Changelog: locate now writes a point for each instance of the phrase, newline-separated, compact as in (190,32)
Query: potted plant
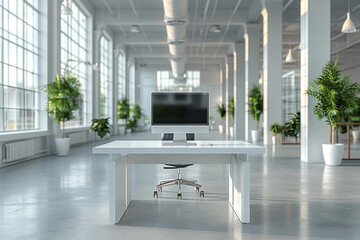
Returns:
(100,126)
(63,99)
(336,100)
(130,125)
(292,127)
(220,108)
(212,123)
(123,114)
(275,129)
(256,109)
(232,112)
(136,112)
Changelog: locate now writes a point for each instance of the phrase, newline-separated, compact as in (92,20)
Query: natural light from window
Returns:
(105,79)
(19,65)
(165,81)
(74,46)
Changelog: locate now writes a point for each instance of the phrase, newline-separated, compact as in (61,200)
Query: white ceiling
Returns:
(149,14)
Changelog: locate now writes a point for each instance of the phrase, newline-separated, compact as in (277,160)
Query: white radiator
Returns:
(77,137)
(18,150)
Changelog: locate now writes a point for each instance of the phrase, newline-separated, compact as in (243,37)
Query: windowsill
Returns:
(77,129)
(11,136)
(19,135)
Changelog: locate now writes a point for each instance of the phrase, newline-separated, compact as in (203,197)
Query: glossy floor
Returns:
(67,198)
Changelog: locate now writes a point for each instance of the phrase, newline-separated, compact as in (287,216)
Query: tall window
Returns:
(290,94)
(19,65)
(105,78)
(121,76)
(166,83)
(132,84)
(193,80)
(74,47)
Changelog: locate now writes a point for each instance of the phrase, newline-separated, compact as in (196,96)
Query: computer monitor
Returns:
(179,113)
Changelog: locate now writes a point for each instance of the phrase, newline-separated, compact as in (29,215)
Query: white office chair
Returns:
(179,180)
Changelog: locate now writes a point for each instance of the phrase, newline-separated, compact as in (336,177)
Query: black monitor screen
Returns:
(174,108)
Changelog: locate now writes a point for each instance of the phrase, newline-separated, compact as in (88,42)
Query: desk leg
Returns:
(239,187)
(118,188)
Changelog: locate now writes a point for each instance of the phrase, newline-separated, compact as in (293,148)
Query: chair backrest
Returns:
(170,136)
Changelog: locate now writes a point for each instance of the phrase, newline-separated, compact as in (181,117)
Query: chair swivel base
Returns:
(178,182)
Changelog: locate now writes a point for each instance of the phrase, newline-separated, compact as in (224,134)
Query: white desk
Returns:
(125,153)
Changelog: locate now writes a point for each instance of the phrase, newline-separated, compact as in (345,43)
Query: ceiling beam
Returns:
(158,38)
(155,17)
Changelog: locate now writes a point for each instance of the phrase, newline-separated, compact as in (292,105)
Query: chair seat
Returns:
(175,166)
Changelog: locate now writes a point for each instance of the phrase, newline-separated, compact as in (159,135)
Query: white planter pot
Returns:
(355,134)
(255,135)
(273,140)
(129,130)
(62,146)
(333,153)
(221,129)
(122,130)
(231,131)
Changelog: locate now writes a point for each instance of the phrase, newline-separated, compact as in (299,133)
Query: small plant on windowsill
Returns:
(100,126)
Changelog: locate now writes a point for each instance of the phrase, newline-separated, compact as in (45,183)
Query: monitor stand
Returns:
(178,140)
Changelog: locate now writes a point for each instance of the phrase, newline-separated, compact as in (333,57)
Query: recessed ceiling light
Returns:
(215,29)
(135,29)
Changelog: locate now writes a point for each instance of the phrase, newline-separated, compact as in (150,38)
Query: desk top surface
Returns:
(201,147)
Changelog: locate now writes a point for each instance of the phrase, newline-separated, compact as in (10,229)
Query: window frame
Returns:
(109,89)
(86,76)
(121,74)
(24,48)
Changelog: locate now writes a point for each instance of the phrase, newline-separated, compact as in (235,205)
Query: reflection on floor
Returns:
(67,198)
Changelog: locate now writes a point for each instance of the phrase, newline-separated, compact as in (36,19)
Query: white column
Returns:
(229,90)
(239,91)
(272,56)
(252,55)
(115,75)
(96,83)
(315,52)
(53,54)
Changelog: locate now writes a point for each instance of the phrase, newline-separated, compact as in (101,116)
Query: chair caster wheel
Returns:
(179,196)
(197,190)
(156,195)
(202,194)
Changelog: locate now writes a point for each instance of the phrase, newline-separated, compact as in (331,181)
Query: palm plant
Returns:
(220,108)
(64,98)
(335,95)
(292,127)
(256,104)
